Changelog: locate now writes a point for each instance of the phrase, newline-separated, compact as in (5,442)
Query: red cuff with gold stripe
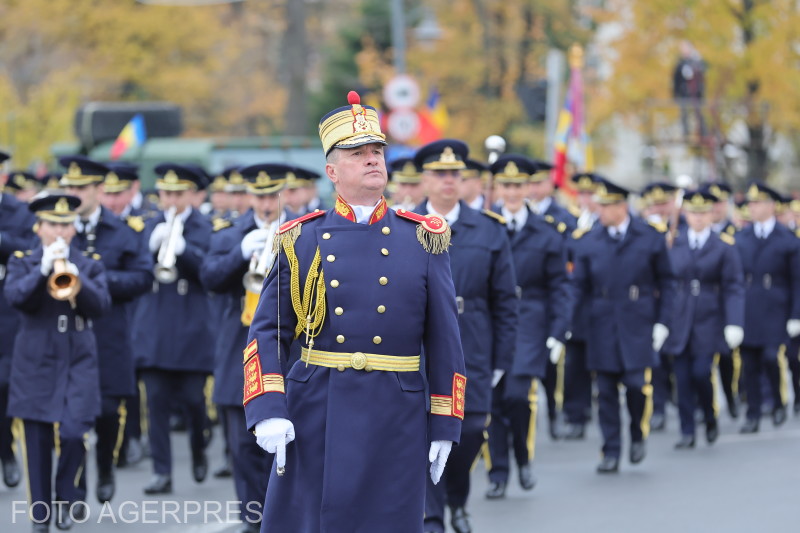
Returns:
(451,405)
(256,383)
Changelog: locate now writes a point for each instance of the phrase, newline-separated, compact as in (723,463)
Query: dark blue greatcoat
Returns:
(709,295)
(629,287)
(53,370)
(171,329)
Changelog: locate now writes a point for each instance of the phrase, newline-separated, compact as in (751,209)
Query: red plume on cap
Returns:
(353,98)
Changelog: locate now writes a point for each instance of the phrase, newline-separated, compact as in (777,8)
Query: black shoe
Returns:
(553,428)
(712,432)
(574,432)
(686,442)
(224,471)
(779,415)
(460,520)
(526,478)
(733,409)
(496,491)
(105,488)
(249,528)
(135,452)
(638,451)
(750,426)
(199,467)
(63,518)
(608,465)
(160,484)
(658,422)
(40,528)
(11,475)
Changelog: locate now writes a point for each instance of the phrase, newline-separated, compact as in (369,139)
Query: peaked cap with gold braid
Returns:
(350,126)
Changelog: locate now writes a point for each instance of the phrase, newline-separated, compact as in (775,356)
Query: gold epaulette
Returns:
(433,232)
(19,254)
(578,233)
(290,231)
(574,210)
(727,239)
(491,214)
(136,223)
(220,223)
(731,230)
(659,226)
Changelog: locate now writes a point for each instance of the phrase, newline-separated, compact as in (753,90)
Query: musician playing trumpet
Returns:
(172,341)
(240,257)
(54,368)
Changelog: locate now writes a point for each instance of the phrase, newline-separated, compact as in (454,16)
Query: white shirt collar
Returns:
(519,218)
(698,240)
(477,203)
(92,221)
(364,212)
(540,208)
(450,217)
(764,229)
(622,229)
(261,224)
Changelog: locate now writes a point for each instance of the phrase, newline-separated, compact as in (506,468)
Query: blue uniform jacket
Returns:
(629,287)
(362,437)
(560,214)
(579,318)
(709,296)
(16,233)
(129,273)
(483,274)
(171,329)
(542,287)
(55,355)
(772,281)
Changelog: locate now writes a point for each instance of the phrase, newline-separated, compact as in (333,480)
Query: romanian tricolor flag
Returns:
(433,120)
(571,141)
(132,135)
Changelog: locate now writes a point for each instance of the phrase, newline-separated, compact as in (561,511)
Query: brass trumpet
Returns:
(165,271)
(260,266)
(62,284)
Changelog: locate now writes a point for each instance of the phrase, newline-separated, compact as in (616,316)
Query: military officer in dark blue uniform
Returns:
(577,378)
(406,181)
(172,339)
(623,272)
(22,184)
(239,255)
(128,269)
(539,257)
(362,289)
(771,256)
(58,291)
(542,202)
(708,315)
(483,273)
(473,184)
(16,233)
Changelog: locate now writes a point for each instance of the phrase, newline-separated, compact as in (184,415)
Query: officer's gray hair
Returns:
(333,156)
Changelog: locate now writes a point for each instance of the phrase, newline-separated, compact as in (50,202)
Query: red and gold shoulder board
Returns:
(433,232)
(432,223)
(286,226)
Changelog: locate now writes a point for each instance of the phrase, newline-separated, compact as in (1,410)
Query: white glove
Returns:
(158,236)
(660,334)
(793,327)
(47,260)
(180,245)
(254,243)
(440,450)
(556,349)
(734,335)
(60,249)
(273,434)
(497,375)
(72,269)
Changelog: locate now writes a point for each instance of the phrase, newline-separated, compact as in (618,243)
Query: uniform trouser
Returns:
(662,384)
(577,384)
(514,410)
(6,438)
(550,383)
(729,373)
(693,376)
(757,361)
(251,465)
(793,355)
(109,428)
(639,397)
(453,488)
(38,440)
(186,387)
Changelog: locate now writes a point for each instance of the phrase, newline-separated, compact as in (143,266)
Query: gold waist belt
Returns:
(360,361)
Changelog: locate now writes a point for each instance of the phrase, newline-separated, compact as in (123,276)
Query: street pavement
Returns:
(740,484)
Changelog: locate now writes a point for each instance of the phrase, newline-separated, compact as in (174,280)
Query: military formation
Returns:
(360,360)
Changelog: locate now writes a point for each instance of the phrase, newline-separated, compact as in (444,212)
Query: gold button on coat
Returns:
(331,258)
(334,283)
(383,280)
(338,310)
(384,251)
(386,231)
(376,339)
(340,368)
(326,236)
(340,339)
(381,308)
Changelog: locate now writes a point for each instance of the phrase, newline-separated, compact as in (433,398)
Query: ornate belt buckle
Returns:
(358,361)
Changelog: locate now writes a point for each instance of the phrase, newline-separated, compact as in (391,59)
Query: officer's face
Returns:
(90,198)
(48,231)
(540,190)
(442,185)
(239,202)
(612,214)
(26,194)
(266,206)
(409,193)
(586,201)
(720,211)
(180,200)
(761,210)
(662,209)
(513,195)
(220,200)
(295,199)
(359,174)
(698,221)
(471,188)
(116,201)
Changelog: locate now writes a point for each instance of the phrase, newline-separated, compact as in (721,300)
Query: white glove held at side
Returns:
(556,349)
(793,327)
(440,450)
(497,375)
(273,434)
(660,334)
(734,335)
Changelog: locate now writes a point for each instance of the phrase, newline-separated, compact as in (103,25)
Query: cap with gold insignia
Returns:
(120,177)
(608,193)
(266,178)
(403,170)
(218,184)
(55,207)
(81,171)
(51,180)
(742,210)
(513,168)
(19,180)
(722,191)
(698,201)
(758,192)
(175,177)
(350,126)
(234,181)
(584,181)
(301,177)
(659,192)
(475,169)
(543,169)
(444,154)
